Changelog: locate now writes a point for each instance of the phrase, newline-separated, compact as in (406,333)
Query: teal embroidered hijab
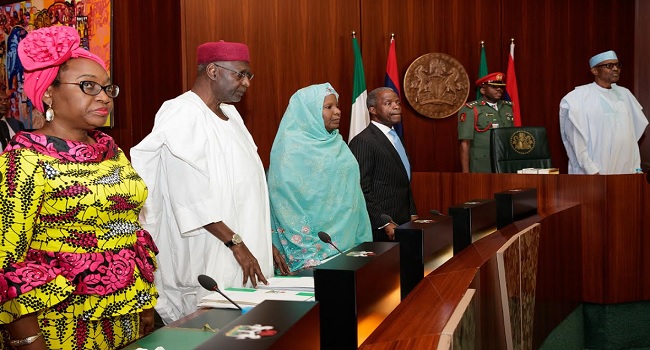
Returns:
(314,184)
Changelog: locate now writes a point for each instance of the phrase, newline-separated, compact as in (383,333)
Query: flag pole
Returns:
(359,117)
(391,79)
(512,92)
(482,68)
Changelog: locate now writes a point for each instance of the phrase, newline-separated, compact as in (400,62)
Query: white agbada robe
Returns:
(199,170)
(601,128)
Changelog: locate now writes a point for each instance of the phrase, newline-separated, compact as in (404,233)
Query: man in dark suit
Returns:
(8,126)
(384,165)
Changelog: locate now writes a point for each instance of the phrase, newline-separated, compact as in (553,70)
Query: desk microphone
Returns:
(435,212)
(387,219)
(208,283)
(327,239)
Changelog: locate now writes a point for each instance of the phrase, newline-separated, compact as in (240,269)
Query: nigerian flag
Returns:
(482,69)
(359,117)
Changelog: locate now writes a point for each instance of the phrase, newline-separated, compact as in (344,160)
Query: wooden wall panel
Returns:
(427,309)
(552,50)
(623,236)
(455,28)
(293,44)
(642,71)
(559,258)
(551,55)
(297,42)
(645,242)
(613,229)
(146,65)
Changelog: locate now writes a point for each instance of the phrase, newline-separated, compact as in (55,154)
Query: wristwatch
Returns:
(236,239)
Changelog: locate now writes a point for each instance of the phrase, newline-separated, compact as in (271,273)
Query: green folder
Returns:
(190,335)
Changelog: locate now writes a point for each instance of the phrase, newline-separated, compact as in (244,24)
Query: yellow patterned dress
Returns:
(71,247)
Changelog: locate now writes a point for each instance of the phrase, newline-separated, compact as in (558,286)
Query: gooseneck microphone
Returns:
(210,284)
(387,219)
(327,239)
(435,212)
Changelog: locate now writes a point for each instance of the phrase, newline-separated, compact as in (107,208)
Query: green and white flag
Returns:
(359,117)
(482,69)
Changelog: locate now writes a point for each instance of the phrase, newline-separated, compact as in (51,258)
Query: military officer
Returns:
(477,118)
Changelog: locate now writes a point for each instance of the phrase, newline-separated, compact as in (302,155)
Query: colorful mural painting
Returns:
(91,18)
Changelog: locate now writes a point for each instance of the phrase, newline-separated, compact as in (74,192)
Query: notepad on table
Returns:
(251,297)
(295,283)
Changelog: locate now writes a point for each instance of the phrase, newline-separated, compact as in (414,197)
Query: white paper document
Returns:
(251,297)
(295,283)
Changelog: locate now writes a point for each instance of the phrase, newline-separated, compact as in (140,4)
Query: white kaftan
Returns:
(199,170)
(600,129)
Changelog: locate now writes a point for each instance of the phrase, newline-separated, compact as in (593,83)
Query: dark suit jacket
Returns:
(384,181)
(15,124)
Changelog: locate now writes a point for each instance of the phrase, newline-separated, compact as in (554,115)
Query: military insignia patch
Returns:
(463,117)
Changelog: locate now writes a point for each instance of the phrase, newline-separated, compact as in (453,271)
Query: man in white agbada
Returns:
(208,206)
(601,123)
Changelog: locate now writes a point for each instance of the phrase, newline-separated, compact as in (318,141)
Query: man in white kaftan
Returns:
(201,167)
(601,123)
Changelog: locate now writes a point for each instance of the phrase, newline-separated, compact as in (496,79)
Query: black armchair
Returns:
(517,148)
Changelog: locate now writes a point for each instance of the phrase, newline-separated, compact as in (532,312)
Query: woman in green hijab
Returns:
(314,182)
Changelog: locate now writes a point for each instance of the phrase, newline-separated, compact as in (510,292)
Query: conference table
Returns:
(350,304)
(188,332)
(602,215)
(192,330)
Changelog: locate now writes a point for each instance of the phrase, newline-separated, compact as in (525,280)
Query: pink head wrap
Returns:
(221,51)
(42,52)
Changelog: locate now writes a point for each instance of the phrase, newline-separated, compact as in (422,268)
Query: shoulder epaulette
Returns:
(471,104)
(509,103)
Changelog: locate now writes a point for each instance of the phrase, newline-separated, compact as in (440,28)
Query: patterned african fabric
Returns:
(314,185)
(71,246)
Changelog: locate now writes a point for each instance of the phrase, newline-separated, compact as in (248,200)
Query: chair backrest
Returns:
(517,148)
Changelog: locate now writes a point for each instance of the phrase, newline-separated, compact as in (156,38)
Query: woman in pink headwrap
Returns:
(76,267)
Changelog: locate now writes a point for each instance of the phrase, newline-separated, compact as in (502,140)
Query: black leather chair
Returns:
(517,148)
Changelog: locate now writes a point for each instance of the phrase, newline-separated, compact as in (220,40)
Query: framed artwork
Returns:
(91,18)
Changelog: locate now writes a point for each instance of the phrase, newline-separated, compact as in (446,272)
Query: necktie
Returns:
(4,134)
(400,150)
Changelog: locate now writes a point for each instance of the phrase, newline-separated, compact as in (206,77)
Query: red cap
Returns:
(494,79)
(221,51)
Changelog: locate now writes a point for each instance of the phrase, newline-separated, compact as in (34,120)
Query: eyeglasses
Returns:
(610,65)
(93,89)
(240,75)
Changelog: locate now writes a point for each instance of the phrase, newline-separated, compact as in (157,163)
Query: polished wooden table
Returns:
(614,224)
(296,325)
(591,249)
(288,325)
